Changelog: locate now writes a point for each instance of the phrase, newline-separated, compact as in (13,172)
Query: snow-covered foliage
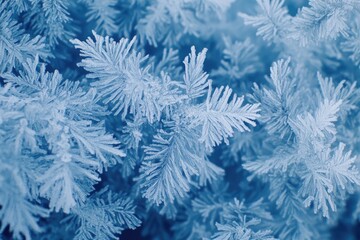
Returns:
(179,119)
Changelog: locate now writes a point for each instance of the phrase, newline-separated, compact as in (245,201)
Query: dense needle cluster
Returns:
(179,119)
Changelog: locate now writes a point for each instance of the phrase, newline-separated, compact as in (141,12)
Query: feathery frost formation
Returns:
(179,119)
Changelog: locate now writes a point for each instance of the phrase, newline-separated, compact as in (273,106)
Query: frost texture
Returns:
(179,119)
